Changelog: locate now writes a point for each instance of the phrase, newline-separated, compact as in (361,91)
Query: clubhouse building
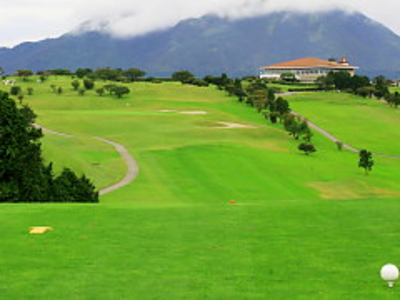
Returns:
(307,69)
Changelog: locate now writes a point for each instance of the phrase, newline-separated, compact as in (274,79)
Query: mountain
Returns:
(212,45)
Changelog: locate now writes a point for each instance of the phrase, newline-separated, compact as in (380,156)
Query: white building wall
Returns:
(305,74)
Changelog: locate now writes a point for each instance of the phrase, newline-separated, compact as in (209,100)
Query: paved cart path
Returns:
(133,168)
(330,136)
(335,139)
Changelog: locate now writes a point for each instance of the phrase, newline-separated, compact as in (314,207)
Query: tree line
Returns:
(363,86)
(255,92)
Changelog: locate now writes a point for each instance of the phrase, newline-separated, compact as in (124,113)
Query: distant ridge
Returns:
(212,45)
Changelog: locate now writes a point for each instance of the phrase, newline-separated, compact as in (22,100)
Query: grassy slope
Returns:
(343,115)
(96,159)
(184,159)
(173,235)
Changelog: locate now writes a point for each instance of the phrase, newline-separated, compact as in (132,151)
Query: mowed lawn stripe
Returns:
(273,249)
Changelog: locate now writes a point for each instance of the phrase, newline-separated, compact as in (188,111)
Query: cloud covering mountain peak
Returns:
(32,20)
(140,19)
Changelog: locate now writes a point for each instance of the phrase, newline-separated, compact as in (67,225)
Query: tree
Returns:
(100,91)
(20,161)
(230,89)
(88,84)
(182,76)
(24,74)
(304,130)
(121,90)
(366,162)
(307,135)
(220,81)
(109,74)
(75,84)
(198,82)
(282,106)
(225,80)
(258,84)
(15,90)
(297,127)
(133,74)
(273,116)
(43,78)
(70,188)
(365,91)
(61,72)
(20,97)
(396,99)
(80,73)
(258,99)
(271,95)
(381,87)
(342,80)
(240,93)
(325,82)
(233,88)
(358,82)
(307,148)
(109,88)
(29,90)
(291,125)
(81,92)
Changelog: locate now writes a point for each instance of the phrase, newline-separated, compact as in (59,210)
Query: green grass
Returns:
(293,86)
(393,89)
(302,227)
(362,123)
(279,250)
(88,156)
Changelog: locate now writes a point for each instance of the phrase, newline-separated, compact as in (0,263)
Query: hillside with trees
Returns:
(23,175)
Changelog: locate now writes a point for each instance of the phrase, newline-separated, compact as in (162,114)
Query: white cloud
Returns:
(143,17)
(37,19)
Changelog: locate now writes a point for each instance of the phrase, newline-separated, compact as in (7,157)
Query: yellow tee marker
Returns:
(39,230)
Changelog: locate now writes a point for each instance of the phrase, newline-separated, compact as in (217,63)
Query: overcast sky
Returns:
(31,20)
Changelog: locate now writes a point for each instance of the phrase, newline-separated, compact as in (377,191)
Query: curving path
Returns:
(334,139)
(133,168)
(330,136)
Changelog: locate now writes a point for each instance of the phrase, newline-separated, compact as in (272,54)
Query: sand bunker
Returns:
(166,110)
(195,112)
(198,112)
(230,125)
(39,230)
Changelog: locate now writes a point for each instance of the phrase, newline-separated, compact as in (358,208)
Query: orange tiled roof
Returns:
(309,62)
